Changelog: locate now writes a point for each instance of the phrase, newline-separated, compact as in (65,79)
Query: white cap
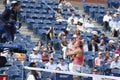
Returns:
(13,2)
(116,55)
(95,32)
(80,20)
(100,53)
(35,49)
(111,41)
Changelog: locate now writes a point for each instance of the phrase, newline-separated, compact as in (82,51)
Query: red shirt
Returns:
(45,58)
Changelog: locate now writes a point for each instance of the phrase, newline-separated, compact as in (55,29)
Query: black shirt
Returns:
(9,15)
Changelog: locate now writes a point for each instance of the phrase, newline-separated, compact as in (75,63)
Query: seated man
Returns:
(33,74)
(116,62)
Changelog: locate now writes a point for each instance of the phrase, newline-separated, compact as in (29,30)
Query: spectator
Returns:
(83,19)
(74,18)
(33,74)
(93,46)
(11,56)
(9,18)
(50,48)
(108,59)
(62,34)
(61,4)
(51,65)
(116,63)
(102,36)
(71,44)
(80,25)
(114,27)
(110,46)
(50,33)
(40,46)
(117,16)
(106,20)
(89,24)
(53,75)
(96,72)
(77,34)
(118,50)
(102,45)
(58,15)
(64,42)
(71,26)
(35,56)
(45,57)
(85,68)
(98,60)
(62,65)
(78,54)
(95,37)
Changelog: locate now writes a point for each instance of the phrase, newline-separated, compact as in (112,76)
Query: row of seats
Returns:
(95,11)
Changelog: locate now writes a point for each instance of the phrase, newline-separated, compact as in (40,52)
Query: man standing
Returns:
(9,18)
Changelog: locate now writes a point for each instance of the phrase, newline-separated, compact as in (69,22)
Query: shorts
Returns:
(77,69)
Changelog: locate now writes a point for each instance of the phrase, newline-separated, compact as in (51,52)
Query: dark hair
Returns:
(66,32)
(60,1)
(40,42)
(32,64)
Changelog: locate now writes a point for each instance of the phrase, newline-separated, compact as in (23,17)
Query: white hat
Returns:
(116,55)
(94,32)
(35,49)
(100,53)
(13,2)
(111,41)
(80,20)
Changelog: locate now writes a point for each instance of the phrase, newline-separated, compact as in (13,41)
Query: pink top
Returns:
(78,60)
(98,61)
(118,51)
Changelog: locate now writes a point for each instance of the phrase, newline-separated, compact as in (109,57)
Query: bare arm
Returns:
(72,52)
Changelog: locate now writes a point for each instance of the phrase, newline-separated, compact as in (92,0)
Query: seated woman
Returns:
(107,59)
(62,34)
(58,15)
(50,48)
(39,46)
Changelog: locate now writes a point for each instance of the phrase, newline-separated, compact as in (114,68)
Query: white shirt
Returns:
(88,25)
(107,18)
(63,67)
(11,58)
(115,64)
(35,58)
(50,66)
(75,20)
(113,24)
(31,77)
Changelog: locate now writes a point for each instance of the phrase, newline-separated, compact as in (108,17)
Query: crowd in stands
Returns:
(79,47)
